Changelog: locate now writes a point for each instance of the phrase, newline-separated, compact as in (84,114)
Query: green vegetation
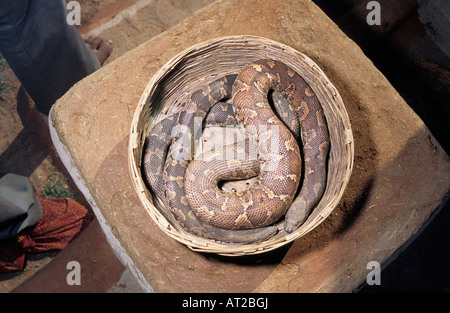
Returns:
(57,187)
(2,81)
(2,87)
(2,63)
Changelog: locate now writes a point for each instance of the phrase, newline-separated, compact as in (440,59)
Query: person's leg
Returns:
(46,53)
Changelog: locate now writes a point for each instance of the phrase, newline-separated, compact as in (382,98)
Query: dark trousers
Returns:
(46,53)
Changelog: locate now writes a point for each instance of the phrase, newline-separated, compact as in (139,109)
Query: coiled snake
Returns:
(190,187)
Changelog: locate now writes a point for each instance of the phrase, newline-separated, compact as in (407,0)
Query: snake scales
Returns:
(190,187)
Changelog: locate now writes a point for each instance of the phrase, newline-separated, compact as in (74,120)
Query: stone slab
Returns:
(400,177)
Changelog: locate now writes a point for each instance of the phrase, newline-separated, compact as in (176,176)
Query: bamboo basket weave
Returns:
(203,63)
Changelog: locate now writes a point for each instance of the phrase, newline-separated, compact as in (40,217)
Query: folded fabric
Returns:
(62,221)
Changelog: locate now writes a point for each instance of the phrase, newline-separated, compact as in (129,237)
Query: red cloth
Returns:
(62,221)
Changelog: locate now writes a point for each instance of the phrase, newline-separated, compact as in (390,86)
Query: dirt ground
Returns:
(25,148)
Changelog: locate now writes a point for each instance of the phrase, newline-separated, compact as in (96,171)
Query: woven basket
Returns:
(205,62)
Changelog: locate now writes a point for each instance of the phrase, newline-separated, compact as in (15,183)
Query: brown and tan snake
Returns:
(190,187)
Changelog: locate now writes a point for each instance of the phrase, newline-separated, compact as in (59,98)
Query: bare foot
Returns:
(102,48)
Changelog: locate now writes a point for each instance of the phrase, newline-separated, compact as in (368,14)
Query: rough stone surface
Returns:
(400,177)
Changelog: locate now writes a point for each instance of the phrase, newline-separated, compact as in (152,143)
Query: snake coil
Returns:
(190,187)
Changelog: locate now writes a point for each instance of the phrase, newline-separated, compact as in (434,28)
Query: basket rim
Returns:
(200,244)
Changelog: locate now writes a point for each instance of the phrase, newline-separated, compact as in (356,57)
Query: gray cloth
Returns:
(47,54)
(19,206)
